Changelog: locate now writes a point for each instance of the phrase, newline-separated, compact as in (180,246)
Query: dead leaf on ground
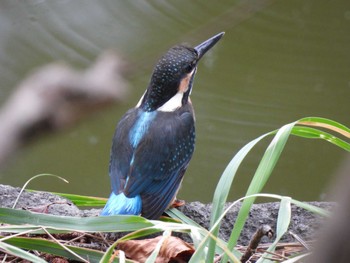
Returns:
(173,250)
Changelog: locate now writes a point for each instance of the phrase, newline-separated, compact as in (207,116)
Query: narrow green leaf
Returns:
(152,258)
(200,255)
(284,216)
(311,208)
(120,223)
(283,221)
(312,133)
(223,188)
(143,232)
(326,123)
(81,200)
(107,256)
(47,246)
(175,213)
(169,219)
(33,229)
(260,178)
(14,250)
(196,236)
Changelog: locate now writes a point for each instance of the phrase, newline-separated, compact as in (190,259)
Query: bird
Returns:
(153,142)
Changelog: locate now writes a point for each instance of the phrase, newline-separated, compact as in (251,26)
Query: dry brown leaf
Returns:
(173,249)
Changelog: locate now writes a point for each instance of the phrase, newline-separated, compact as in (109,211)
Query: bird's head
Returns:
(172,78)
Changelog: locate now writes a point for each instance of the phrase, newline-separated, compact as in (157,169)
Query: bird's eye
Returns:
(190,67)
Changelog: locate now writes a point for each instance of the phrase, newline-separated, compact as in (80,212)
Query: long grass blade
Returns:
(222,191)
(260,178)
(327,124)
(196,236)
(283,221)
(47,246)
(311,208)
(152,258)
(312,133)
(14,250)
(120,223)
(81,200)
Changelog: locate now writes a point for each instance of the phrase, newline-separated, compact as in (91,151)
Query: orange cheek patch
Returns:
(184,82)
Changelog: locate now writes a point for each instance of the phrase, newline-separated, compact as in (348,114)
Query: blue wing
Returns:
(151,159)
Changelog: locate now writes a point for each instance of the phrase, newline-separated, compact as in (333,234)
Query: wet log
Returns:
(55,97)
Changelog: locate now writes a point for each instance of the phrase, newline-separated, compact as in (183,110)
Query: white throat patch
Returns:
(172,104)
(139,103)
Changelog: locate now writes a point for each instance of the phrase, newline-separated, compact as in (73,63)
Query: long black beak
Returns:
(208,44)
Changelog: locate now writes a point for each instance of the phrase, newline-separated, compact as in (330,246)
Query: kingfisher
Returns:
(154,141)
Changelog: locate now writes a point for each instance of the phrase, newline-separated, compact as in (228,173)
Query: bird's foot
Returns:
(178,203)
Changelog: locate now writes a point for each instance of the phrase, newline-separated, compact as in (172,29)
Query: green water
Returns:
(278,61)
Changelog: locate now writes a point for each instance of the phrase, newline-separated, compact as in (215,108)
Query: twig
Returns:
(264,230)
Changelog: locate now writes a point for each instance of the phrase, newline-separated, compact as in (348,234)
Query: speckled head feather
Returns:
(169,71)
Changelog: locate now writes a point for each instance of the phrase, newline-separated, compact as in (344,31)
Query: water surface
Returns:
(278,61)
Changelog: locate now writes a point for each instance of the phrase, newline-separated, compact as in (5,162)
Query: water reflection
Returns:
(279,61)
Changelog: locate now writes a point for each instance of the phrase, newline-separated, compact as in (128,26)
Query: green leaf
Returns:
(223,188)
(326,123)
(312,133)
(14,250)
(284,216)
(81,200)
(175,213)
(109,253)
(47,246)
(152,258)
(311,208)
(260,178)
(283,221)
(196,236)
(120,223)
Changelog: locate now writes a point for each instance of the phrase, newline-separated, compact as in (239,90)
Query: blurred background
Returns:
(278,61)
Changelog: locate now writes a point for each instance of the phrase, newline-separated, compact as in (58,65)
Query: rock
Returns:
(36,201)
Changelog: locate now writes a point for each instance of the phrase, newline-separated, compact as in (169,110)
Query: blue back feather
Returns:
(140,127)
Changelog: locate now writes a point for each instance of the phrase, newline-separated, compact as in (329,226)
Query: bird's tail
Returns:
(121,205)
